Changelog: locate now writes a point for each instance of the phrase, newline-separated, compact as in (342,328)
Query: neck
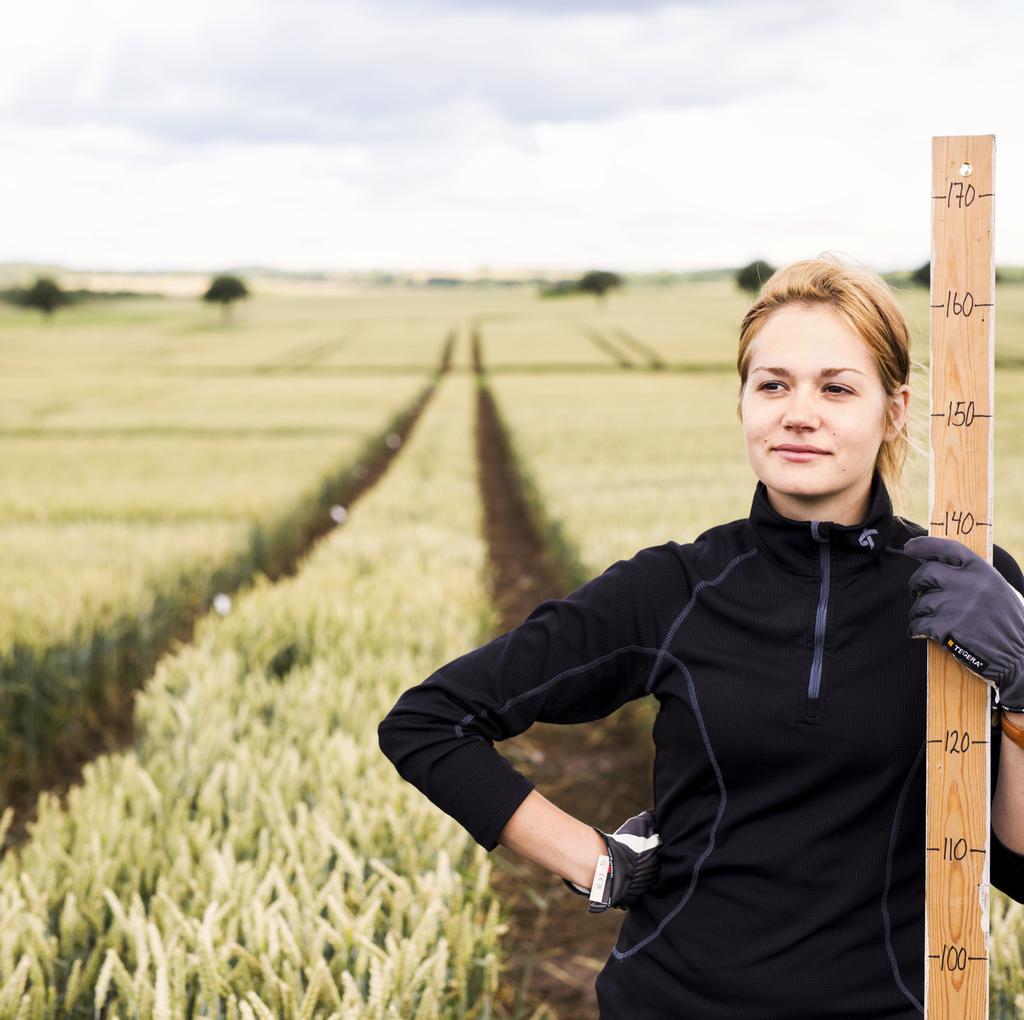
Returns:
(847,509)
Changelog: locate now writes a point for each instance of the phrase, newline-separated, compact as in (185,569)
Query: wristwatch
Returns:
(604,870)
(601,887)
(1013,728)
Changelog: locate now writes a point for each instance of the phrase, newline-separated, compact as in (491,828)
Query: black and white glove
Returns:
(627,869)
(964,603)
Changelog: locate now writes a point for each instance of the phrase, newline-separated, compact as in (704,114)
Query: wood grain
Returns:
(960,506)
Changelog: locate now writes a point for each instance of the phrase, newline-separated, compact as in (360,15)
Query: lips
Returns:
(800,454)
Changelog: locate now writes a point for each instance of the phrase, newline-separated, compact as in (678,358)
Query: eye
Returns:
(833,388)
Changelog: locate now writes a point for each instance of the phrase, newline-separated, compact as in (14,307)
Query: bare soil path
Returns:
(599,772)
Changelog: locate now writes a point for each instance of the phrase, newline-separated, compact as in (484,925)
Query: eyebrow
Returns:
(827,372)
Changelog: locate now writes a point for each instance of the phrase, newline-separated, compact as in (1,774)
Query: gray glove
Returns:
(964,603)
(628,868)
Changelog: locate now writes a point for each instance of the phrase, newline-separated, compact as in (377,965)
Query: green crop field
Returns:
(137,481)
(252,855)
(255,855)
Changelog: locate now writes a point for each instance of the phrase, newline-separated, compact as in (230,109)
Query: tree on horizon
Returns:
(598,282)
(225,290)
(752,275)
(45,295)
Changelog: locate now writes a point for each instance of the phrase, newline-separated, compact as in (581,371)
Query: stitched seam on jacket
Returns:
(888,879)
(658,652)
(571,671)
(677,623)
(626,953)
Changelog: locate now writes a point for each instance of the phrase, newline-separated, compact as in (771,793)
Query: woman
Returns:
(781,872)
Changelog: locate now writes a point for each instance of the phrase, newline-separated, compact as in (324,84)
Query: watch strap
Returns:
(1012,728)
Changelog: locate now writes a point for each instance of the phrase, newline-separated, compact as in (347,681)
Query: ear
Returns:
(897,410)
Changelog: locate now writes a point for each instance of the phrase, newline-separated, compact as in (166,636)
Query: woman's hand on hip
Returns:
(628,867)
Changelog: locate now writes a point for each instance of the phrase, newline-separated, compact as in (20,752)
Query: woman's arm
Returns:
(546,835)
(572,660)
(1008,800)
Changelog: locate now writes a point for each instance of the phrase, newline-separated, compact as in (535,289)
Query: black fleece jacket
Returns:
(789,779)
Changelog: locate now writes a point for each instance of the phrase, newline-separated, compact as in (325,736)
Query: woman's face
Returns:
(813,383)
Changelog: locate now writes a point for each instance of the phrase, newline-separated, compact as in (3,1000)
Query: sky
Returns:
(476,135)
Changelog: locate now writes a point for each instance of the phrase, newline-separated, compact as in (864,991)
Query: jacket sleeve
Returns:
(1006,867)
(571,660)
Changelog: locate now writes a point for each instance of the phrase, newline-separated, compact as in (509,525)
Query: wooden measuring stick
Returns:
(960,507)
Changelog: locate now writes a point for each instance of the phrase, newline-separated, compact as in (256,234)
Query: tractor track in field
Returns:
(112,729)
(654,360)
(599,772)
(605,345)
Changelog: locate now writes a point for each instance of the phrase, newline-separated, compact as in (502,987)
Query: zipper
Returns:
(819,532)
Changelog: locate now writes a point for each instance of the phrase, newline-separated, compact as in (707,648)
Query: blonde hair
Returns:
(863,299)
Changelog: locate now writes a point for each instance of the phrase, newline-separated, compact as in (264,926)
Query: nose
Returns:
(801,412)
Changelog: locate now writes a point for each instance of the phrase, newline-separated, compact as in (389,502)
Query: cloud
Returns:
(324,134)
(263,72)
(558,8)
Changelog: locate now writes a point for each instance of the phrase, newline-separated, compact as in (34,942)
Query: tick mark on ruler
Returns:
(956,741)
(954,849)
(962,194)
(963,414)
(958,305)
(962,520)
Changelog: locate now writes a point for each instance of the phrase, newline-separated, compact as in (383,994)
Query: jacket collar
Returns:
(796,546)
